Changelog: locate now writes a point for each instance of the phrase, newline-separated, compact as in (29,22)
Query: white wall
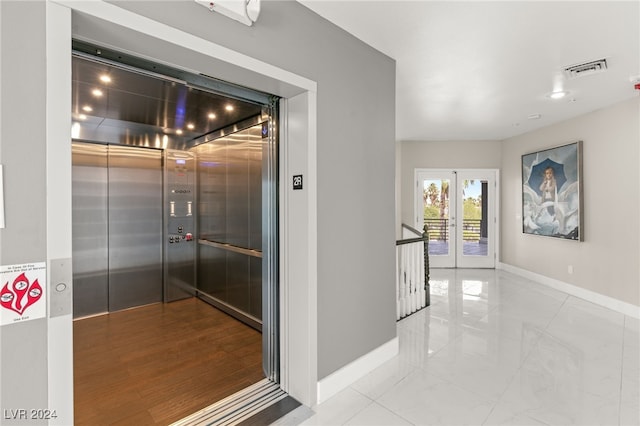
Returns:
(398,190)
(34,142)
(23,363)
(607,261)
(441,155)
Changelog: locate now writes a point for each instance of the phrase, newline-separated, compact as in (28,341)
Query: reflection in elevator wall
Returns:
(90,229)
(230,223)
(117,228)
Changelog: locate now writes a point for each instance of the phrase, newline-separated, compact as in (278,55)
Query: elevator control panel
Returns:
(180,236)
(180,247)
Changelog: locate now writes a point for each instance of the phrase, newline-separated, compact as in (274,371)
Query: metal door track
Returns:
(237,407)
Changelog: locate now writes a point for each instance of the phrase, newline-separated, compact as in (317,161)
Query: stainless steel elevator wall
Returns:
(135,227)
(90,229)
(230,214)
(117,200)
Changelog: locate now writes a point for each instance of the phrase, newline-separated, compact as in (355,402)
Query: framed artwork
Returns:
(552,192)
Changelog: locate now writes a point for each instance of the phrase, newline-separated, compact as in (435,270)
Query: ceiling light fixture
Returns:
(179,131)
(105,78)
(96,92)
(558,94)
(211,116)
(190,126)
(229,107)
(87,108)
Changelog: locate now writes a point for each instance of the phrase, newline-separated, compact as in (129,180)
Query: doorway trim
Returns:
(298,215)
(494,209)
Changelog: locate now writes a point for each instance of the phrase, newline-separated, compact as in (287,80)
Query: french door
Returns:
(458,208)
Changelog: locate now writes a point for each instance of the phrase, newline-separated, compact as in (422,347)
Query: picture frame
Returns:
(552,200)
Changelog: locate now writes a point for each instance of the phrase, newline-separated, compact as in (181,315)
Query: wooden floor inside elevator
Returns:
(159,363)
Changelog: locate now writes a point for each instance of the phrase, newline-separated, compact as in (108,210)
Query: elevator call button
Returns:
(177,238)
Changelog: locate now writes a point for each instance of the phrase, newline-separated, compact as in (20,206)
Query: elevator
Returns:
(153,225)
(174,193)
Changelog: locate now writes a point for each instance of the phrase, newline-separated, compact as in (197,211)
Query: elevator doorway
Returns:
(252,138)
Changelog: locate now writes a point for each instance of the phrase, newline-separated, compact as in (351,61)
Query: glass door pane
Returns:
(474,218)
(435,212)
(475,191)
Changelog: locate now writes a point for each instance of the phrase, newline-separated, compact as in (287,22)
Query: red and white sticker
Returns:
(22,290)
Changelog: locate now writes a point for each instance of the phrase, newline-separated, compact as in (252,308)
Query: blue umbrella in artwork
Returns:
(537,174)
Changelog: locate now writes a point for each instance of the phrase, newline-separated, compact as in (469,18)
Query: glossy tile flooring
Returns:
(497,349)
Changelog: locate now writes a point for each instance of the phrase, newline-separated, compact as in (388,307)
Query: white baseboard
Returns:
(573,290)
(340,379)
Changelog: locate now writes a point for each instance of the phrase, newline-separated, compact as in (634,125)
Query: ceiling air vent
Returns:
(586,68)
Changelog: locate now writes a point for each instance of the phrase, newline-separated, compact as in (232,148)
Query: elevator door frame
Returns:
(298,214)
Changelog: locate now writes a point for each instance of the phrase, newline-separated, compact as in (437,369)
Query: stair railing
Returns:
(412,271)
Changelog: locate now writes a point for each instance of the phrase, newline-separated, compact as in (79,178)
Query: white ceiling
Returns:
(477,70)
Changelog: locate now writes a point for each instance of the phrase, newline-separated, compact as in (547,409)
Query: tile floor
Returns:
(497,349)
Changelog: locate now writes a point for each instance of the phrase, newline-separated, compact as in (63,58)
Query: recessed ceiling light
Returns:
(558,94)
(82,117)
(96,92)
(105,78)
(229,107)
(211,116)
(179,131)
(87,108)
(190,126)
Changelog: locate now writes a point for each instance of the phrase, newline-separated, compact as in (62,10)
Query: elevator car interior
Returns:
(174,238)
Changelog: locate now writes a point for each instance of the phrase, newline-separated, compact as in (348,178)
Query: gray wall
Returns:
(607,261)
